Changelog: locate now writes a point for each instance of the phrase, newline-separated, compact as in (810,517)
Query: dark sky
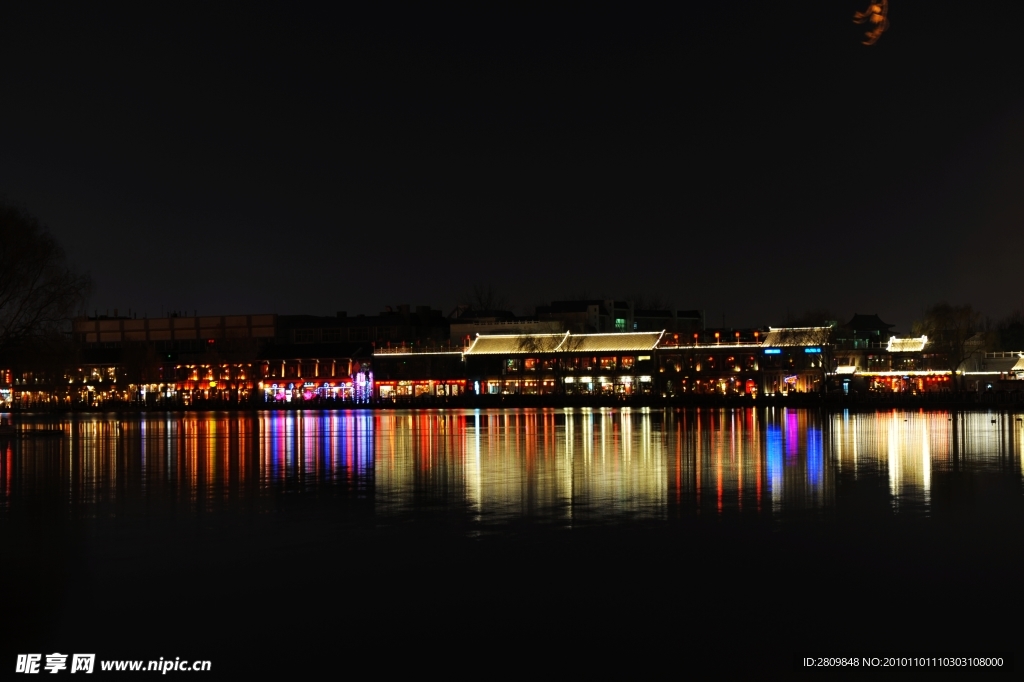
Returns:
(750,159)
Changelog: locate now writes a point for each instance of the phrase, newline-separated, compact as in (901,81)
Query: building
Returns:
(566,363)
(796,359)
(729,365)
(589,316)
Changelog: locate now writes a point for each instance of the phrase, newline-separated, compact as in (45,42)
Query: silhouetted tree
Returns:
(818,317)
(1011,331)
(39,290)
(554,349)
(955,332)
(485,297)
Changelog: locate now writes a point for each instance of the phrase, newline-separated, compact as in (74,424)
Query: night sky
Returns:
(750,159)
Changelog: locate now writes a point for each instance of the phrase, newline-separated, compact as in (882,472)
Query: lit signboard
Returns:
(812,350)
(772,351)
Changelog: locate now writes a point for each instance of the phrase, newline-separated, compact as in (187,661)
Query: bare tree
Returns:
(1011,331)
(39,290)
(554,351)
(817,317)
(648,301)
(486,297)
(953,331)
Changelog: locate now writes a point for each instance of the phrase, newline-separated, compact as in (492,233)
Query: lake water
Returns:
(760,533)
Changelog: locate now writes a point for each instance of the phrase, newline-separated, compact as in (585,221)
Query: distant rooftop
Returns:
(868,323)
(796,336)
(911,345)
(510,344)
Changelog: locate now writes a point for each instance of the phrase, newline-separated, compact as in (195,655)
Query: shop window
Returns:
(531,364)
(608,363)
(512,365)
(627,362)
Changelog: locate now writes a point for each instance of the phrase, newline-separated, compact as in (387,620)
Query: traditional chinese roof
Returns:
(868,323)
(632,341)
(523,344)
(506,344)
(911,345)
(1019,367)
(797,336)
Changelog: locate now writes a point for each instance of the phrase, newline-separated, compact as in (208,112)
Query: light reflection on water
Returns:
(555,466)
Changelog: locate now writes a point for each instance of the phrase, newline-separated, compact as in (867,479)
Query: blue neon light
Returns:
(772,351)
(812,350)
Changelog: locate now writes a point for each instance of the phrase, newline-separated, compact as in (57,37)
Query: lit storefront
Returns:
(573,364)
(796,360)
(404,375)
(922,381)
(391,389)
(730,369)
(356,389)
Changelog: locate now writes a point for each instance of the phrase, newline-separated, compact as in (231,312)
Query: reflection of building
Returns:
(607,364)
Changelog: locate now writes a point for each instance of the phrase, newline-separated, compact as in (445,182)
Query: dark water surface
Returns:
(572,540)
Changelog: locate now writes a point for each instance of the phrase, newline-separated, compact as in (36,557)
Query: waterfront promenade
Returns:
(872,401)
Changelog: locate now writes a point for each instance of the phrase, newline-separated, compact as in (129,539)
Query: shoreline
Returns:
(965,402)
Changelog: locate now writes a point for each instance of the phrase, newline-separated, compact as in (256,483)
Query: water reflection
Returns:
(556,466)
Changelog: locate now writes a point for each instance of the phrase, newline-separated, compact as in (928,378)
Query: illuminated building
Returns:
(796,359)
(402,374)
(699,364)
(567,363)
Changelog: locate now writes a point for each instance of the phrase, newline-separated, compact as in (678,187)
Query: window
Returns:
(620,324)
(305,335)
